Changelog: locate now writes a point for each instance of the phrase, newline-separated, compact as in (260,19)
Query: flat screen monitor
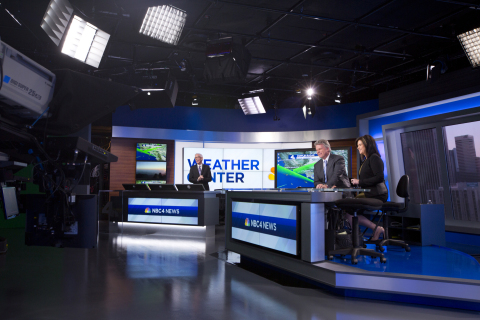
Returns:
(162,187)
(10,204)
(151,165)
(294,168)
(190,187)
(268,225)
(138,186)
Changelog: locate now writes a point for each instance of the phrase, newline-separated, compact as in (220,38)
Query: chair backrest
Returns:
(402,186)
(402,190)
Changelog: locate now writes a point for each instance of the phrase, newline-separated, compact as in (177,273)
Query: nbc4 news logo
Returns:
(261,224)
(147,210)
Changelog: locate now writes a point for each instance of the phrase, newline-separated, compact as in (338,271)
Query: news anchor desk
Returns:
(177,213)
(278,226)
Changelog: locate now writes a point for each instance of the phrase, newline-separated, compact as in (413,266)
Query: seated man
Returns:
(329,171)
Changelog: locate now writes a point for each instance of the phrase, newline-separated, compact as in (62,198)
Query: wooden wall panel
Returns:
(123,171)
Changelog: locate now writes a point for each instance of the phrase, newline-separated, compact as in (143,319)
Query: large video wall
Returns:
(234,168)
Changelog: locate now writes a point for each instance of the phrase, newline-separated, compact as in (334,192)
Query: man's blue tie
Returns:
(325,169)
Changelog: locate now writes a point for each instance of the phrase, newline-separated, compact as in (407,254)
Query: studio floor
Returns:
(426,261)
(151,277)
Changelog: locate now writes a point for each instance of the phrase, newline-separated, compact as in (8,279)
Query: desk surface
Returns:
(298,190)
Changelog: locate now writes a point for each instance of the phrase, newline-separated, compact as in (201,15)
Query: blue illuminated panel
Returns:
(272,226)
(158,210)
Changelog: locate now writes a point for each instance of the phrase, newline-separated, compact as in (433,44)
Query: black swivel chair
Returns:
(357,206)
(394,207)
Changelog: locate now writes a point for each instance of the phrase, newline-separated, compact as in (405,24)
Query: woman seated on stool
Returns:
(370,177)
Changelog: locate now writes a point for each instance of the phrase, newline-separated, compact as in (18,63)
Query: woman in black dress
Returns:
(370,177)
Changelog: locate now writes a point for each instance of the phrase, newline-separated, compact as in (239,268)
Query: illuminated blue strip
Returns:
(176,211)
(282,228)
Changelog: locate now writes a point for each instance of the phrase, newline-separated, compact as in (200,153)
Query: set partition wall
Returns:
(441,155)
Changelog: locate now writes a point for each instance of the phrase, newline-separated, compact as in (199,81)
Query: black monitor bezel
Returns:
(190,187)
(132,187)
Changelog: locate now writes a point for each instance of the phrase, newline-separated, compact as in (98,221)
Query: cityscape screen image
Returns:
(462,148)
(151,152)
(295,168)
(151,172)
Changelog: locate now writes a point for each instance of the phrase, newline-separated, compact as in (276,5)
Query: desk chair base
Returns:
(386,241)
(356,250)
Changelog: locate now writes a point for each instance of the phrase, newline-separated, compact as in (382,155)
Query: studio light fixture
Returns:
(338,98)
(470,42)
(310,93)
(194,101)
(85,42)
(251,105)
(56,19)
(308,108)
(164,23)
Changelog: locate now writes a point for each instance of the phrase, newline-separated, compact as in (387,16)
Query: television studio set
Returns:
(293,159)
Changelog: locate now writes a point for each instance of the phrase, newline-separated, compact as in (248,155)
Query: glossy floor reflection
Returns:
(146,277)
(427,261)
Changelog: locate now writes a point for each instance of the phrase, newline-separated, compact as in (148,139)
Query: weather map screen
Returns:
(272,226)
(151,152)
(159,210)
(151,163)
(295,167)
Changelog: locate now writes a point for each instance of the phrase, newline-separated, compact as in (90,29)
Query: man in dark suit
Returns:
(200,173)
(329,171)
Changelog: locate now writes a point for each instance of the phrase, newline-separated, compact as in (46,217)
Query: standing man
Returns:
(200,173)
(329,171)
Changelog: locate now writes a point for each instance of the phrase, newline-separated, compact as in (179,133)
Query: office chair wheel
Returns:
(354,261)
(383,260)
(407,249)
(380,248)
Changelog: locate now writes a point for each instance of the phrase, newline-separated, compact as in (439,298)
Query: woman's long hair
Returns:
(370,145)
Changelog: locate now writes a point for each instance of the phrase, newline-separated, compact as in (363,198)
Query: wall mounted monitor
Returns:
(151,167)
(151,152)
(9,201)
(272,226)
(151,172)
(294,168)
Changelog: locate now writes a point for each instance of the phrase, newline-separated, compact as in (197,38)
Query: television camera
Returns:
(38,108)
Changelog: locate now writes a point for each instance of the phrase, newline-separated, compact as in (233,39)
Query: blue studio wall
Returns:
(233,120)
(375,125)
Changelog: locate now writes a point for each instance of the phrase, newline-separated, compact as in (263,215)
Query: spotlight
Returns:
(338,99)
(56,19)
(194,101)
(308,109)
(310,92)
(436,68)
(164,23)
(85,42)
(470,42)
